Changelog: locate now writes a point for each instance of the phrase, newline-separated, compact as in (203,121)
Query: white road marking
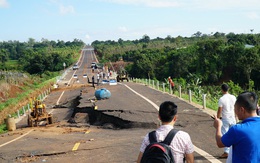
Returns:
(58,101)
(40,122)
(198,150)
(16,138)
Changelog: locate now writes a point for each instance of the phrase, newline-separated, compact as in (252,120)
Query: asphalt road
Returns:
(112,133)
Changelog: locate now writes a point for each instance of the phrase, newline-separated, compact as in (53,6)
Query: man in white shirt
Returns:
(226,112)
(181,144)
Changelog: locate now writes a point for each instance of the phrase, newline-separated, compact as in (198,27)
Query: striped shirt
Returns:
(180,145)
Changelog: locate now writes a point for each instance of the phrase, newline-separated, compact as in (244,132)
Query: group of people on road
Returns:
(239,140)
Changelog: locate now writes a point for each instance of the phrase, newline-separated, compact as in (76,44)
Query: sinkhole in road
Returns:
(104,120)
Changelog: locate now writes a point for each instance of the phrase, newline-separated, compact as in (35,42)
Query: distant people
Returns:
(181,145)
(108,74)
(98,77)
(93,81)
(244,136)
(104,75)
(171,83)
(226,112)
(93,69)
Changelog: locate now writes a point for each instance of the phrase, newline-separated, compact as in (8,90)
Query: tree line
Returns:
(212,58)
(39,57)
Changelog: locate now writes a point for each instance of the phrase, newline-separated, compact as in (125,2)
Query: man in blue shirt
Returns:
(243,137)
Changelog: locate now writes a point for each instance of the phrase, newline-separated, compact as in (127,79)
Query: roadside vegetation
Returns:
(27,68)
(200,63)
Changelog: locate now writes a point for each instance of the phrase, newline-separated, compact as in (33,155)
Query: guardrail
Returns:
(166,88)
(26,109)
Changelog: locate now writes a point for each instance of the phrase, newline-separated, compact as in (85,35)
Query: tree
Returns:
(249,61)
(145,39)
(197,34)
(210,65)
(3,56)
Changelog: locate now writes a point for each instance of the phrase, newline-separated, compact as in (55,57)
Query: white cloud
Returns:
(4,3)
(152,32)
(194,4)
(253,15)
(149,3)
(221,4)
(87,37)
(122,29)
(66,9)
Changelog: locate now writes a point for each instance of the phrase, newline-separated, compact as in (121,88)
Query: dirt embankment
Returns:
(8,91)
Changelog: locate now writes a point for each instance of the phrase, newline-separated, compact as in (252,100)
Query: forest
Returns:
(38,58)
(211,58)
(200,63)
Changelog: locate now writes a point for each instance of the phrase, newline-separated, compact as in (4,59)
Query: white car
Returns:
(94,64)
(75,67)
(85,76)
(75,76)
(112,82)
(104,81)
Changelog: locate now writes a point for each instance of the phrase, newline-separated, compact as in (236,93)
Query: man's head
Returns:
(224,87)
(246,104)
(167,111)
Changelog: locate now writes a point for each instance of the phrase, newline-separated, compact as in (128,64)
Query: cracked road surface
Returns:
(112,133)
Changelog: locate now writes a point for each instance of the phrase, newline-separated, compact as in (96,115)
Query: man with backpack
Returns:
(154,147)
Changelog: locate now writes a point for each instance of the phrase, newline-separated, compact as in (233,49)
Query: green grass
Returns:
(3,128)
(11,65)
(21,97)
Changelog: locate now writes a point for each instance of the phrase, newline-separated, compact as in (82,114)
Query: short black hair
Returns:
(248,100)
(167,111)
(224,87)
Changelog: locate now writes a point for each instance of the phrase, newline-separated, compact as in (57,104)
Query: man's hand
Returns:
(217,123)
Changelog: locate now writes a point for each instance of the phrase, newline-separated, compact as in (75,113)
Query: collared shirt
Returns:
(180,145)
(244,140)
(227,102)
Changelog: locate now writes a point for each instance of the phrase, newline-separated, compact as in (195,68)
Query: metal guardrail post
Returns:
(153,83)
(158,85)
(149,83)
(24,111)
(18,113)
(180,91)
(163,87)
(28,105)
(204,100)
(190,97)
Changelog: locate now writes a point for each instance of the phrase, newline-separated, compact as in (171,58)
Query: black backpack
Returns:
(159,152)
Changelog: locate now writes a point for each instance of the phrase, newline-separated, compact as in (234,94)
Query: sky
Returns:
(102,20)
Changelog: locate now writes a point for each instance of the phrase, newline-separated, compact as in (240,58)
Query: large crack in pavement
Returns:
(102,118)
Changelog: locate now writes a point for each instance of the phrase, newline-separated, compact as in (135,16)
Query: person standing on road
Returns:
(93,81)
(181,144)
(171,83)
(98,77)
(226,113)
(244,136)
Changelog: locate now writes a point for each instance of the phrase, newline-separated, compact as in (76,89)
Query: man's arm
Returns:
(219,112)
(218,125)
(189,158)
(139,157)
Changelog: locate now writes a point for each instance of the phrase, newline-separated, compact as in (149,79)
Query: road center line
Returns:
(198,150)
(16,138)
(76,146)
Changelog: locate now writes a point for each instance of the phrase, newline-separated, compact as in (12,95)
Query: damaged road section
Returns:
(109,118)
(106,119)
